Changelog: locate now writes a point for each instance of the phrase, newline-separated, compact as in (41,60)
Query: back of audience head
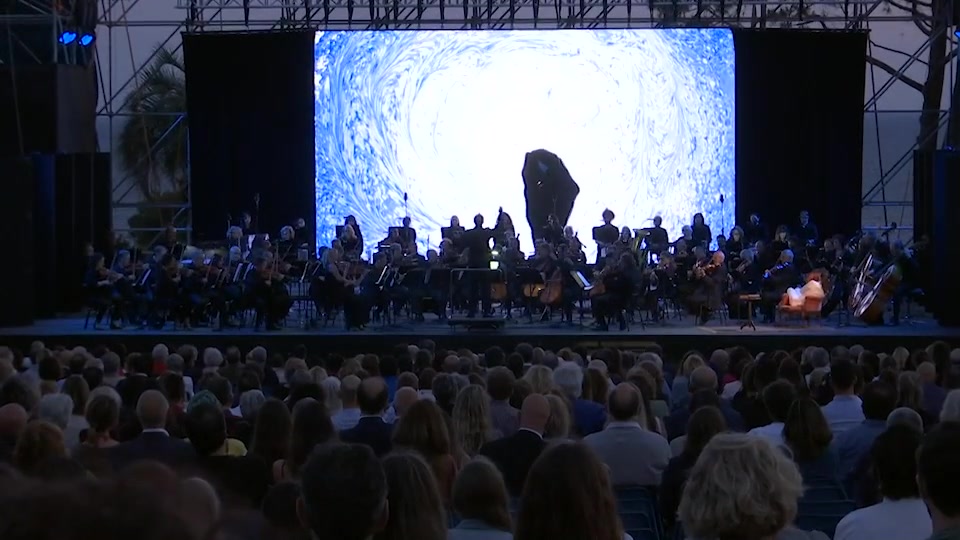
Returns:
(777,398)
(893,457)
(424,429)
(343,493)
(152,409)
(843,376)
(372,396)
(568,377)
(38,441)
(624,403)
(103,415)
(535,413)
(271,431)
(879,400)
(349,387)
(806,430)
(558,424)
(207,429)
(705,422)
(311,427)
(938,471)
(540,379)
(13,418)
(500,382)
(740,487)
(568,495)
(56,409)
(703,378)
(905,416)
(480,493)
(415,507)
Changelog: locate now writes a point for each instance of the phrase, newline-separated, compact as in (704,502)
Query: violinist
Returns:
(434,289)
(226,290)
(125,270)
(343,291)
(262,287)
(170,242)
(619,282)
(781,240)
(776,281)
(701,231)
(574,247)
(454,232)
(353,240)
(745,278)
(807,231)
(686,235)
(709,280)
(503,230)
(104,296)
(625,242)
(287,246)
(605,235)
(168,297)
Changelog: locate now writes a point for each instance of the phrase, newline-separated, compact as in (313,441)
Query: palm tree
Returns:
(153,141)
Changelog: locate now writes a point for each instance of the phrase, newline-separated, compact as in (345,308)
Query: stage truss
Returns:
(120,16)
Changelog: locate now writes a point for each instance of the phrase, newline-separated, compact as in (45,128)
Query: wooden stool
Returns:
(750,299)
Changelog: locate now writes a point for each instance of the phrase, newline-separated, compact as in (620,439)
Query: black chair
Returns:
(637,506)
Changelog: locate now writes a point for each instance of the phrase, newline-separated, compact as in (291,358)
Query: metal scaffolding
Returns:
(242,15)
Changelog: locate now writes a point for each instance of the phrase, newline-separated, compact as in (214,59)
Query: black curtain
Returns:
(250,106)
(800,127)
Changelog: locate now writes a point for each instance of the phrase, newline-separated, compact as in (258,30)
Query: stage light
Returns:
(67,37)
(87,39)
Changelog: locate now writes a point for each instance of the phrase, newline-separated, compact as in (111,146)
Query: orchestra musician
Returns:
(433,289)
(709,279)
(246,223)
(781,239)
(476,244)
(351,241)
(235,238)
(754,231)
(776,281)
(657,239)
(503,230)
(605,235)
(619,279)
(553,230)
(103,295)
(735,243)
(909,276)
(807,232)
(168,298)
(343,290)
(574,247)
(453,233)
(408,237)
(701,231)
(300,234)
(267,293)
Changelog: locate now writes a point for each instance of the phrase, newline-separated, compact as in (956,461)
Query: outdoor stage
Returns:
(674,337)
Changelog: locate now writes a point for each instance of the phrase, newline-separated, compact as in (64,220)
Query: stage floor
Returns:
(674,336)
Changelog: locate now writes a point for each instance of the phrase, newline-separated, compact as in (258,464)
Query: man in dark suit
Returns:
(371,430)
(703,379)
(476,242)
(137,381)
(153,443)
(514,455)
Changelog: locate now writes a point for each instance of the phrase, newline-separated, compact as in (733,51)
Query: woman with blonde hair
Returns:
(558,424)
(540,379)
(910,390)
(471,419)
(680,392)
(744,488)
(480,498)
(415,508)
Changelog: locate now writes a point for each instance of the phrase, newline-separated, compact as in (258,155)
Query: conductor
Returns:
(476,243)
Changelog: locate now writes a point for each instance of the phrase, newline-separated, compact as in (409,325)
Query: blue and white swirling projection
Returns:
(643,120)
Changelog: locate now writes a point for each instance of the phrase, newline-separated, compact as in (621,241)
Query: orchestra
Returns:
(473,271)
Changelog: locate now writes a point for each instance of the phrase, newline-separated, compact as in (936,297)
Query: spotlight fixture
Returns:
(67,38)
(87,39)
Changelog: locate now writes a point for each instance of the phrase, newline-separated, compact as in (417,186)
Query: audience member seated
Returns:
(241,480)
(13,418)
(38,443)
(808,437)
(742,487)
(879,400)
(938,474)
(514,455)
(777,398)
(588,416)
(901,515)
(349,414)
(471,420)
(371,430)
(480,500)
(845,410)
(702,378)
(704,424)
(633,455)
(311,427)
(343,493)
(154,442)
(414,506)
(568,495)
(505,418)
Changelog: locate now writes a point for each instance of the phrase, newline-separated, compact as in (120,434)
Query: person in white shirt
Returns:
(349,415)
(846,409)
(777,398)
(902,515)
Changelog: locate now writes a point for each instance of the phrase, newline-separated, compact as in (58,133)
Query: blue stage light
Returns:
(87,39)
(67,37)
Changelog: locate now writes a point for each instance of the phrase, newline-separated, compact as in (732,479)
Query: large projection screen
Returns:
(430,124)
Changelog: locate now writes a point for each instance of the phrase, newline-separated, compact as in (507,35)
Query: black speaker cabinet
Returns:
(16,222)
(946,235)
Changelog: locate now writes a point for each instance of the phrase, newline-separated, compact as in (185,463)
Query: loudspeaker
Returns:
(946,236)
(923,193)
(16,222)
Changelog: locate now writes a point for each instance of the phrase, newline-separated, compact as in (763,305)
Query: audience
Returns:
(480,499)
(575,434)
(633,455)
(901,515)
